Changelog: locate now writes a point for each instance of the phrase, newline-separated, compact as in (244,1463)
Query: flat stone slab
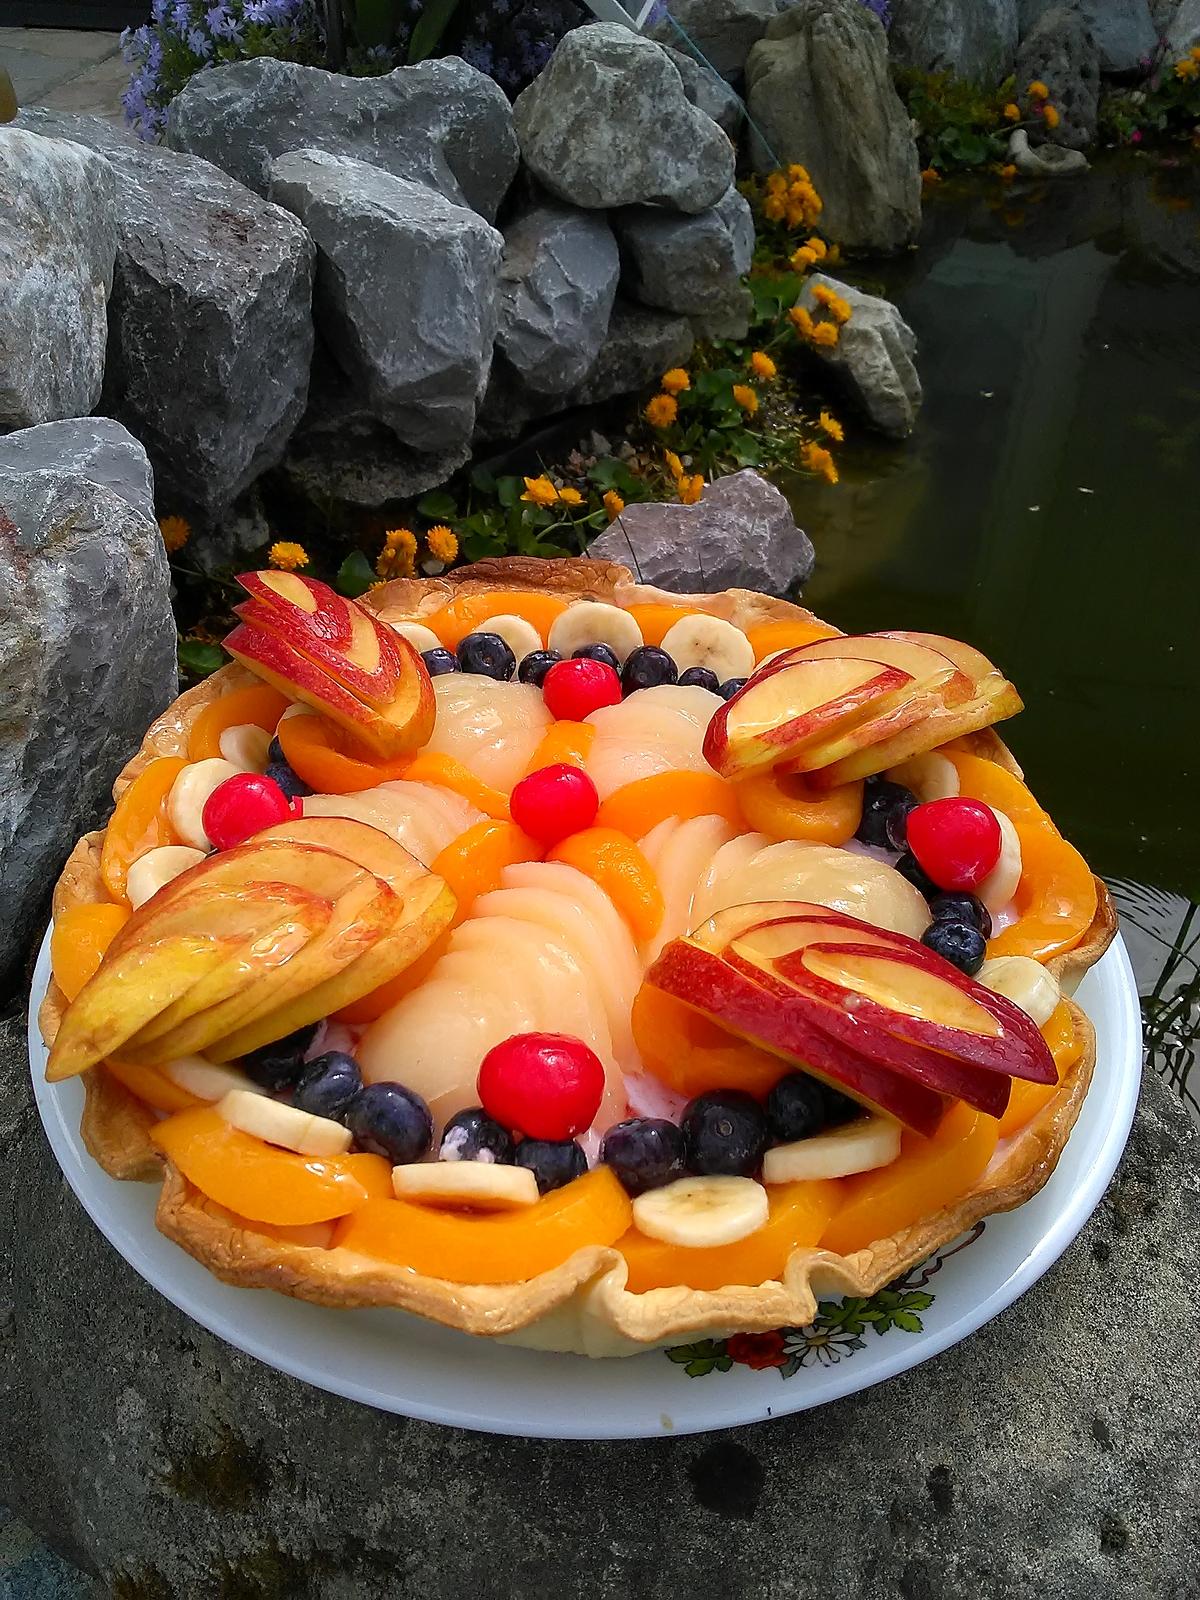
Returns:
(1052,1454)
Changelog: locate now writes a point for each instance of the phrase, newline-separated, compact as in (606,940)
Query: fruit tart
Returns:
(575,963)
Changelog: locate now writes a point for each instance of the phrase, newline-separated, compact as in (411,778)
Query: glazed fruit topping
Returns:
(553,802)
(885,809)
(648,667)
(959,943)
(731,686)
(644,1152)
(604,653)
(243,806)
(724,1134)
(278,1066)
(962,908)
(547,1086)
(439,661)
(574,689)
(389,1120)
(281,771)
(536,665)
(553,1162)
(328,1084)
(800,1106)
(956,841)
(489,655)
(472,1135)
(700,678)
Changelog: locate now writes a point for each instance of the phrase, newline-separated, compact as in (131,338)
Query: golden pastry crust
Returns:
(581,1305)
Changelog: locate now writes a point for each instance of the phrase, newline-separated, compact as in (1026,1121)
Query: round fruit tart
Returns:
(572,962)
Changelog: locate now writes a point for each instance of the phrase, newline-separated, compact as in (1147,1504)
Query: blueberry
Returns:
(275,752)
(724,1133)
(730,687)
(287,778)
(883,802)
(277,1066)
(488,654)
(909,867)
(646,668)
(328,1084)
(473,1136)
(700,678)
(644,1152)
(536,665)
(439,661)
(958,943)
(553,1162)
(951,907)
(599,652)
(796,1107)
(389,1120)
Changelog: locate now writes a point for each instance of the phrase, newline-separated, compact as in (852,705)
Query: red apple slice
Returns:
(710,986)
(778,715)
(930,669)
(973,662)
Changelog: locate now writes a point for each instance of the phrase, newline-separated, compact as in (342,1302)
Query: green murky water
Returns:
(1048,508)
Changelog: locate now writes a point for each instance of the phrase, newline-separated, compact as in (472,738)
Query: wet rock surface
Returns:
(723,30)
(874,360)
(692,265)
(1061,52)
(1049,1454)
(1124,30)
(975,39)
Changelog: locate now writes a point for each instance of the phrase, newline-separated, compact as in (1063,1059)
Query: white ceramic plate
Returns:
(399,1363)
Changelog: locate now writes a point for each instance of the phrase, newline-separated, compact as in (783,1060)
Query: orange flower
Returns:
(690,489)
(1011,112)
(761,365)
(176,531)
(745,397)
(803,258)
(397,558)
(929,177)
(570,497)
(661,411)
(441,543)
(798,174)
(287,556)
(1187,68)
(825,334)
(818,247)
(1038,91)
(774,208)
(674,465)
(1050,117)
(831,426)
(613,504)
(800,319)
(1008,172)
(816,459)
(540,492)
(676,381)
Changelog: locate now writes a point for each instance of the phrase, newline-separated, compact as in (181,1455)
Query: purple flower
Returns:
(181,17)
(199,43)
(222,23)
(477,54)
(260,13)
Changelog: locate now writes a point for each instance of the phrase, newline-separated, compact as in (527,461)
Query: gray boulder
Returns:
(692,264)
(820,93)
(639,347)
(1124,30)
(740,535)
(873,361)
(210,323)
(87,649)
(722,30)
(1061,52)
(557,285)
(1183,30)
(406,291)
(973,39)
(440,123)
(58,241)
(607,123)
(710,92)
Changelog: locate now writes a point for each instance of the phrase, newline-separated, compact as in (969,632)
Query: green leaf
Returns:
(438,506)
(908,1320)
(433,22)
(483,480)
(508,491)
(199,659)
(355,575)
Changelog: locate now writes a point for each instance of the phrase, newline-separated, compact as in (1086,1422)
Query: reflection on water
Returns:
(1162,932)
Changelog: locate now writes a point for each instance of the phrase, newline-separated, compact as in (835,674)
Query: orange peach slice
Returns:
(614,862)
(786,806)
(257,704)
(638,807)
(80,938)
(139,823)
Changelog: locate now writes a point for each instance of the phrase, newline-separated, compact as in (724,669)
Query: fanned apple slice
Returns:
(354,841)
(932,670)
(777,926)
(427,908)
(779,715)
(710,986)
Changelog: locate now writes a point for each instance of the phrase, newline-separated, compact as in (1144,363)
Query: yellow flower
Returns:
(399,553)
(774,208)
(661,411)
(1187,68)
(800,319)
(839,309)
(745,397)
(818,247)
(1051,117)
(570,497)
(690,489)
(777,183)
(290,557)
(1008,172)
(797,173)
(176,531)
(803,258)
(674,465)
(1011,112)
(930,176)
(831,426)
(442,543)
(676,381)
(613,504)
(815,458)
(1194,52)
(832,256)
(825,333)
(540,491)
(824,294)
(761,365)
(1038,91)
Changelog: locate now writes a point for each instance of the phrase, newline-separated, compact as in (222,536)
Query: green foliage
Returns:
(1168,107)
(355,575)
(197,658)
(701,1358)
(427,34)
(958,125)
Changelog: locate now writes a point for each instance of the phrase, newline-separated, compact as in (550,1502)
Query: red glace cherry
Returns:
(572,689)
(544,1085)
(243,806)
(957,841)
(553,802)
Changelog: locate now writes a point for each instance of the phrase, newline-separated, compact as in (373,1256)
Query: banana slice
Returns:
(283,1125)
(998,888)
(296,709)
(418,635)
(149,872)
(930,776)
(860,1146)
(701,641)
(482,1185)
(246,746)
(702,1213)
(206,1080)
(594,622)
(1025,982)
(520,636)
(185,803)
